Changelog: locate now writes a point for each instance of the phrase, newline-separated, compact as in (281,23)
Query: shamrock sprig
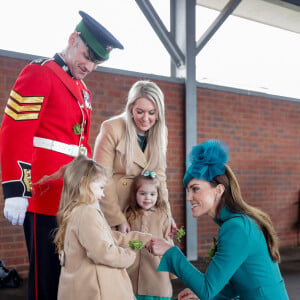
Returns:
(77,129)
(212,251)
(135,245)
(180,233)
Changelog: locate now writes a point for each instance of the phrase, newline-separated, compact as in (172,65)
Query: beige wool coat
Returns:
(143,275)
(94,261)
(109,146)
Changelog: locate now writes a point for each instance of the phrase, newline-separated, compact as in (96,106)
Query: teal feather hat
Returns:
(206,160)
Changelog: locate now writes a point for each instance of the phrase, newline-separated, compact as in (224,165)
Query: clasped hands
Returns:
(158,246)
(187,294)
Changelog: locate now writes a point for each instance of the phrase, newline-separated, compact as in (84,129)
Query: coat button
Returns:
(124,183)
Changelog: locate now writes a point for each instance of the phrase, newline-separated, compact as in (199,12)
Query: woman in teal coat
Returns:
(245,264)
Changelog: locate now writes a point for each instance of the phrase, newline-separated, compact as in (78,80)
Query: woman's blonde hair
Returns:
(133,208)
(156,135)
(233,200)
(78,176)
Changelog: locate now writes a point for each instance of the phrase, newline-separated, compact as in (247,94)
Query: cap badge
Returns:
(65,68)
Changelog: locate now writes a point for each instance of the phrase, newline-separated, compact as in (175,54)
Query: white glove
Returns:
(15,209)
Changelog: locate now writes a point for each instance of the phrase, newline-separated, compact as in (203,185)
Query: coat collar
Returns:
(96,205)
(60,61)
(139,157)
(69,83)
(225,215)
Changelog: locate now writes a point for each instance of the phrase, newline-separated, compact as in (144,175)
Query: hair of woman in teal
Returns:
(233,200)
(76,192)
(133,208)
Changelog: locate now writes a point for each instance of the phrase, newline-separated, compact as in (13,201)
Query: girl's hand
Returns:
(173,228)
(159,246)
(124,228)
(187,294)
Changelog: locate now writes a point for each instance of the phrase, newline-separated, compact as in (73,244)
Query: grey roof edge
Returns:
(140,74)
(18,55)
(246,92)
(24,56)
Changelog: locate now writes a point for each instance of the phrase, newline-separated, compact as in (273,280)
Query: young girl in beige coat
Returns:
(93,258)
(147,212)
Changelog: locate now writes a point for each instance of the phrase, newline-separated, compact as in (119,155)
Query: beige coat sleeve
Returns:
(123,239)
(94,235)
(105,154)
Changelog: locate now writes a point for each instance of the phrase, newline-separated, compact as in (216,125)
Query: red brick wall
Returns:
(263,135)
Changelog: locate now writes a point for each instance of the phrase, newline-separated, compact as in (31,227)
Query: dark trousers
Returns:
(44,267)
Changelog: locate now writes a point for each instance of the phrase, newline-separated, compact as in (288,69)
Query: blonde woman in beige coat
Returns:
(93,258)
(129,144)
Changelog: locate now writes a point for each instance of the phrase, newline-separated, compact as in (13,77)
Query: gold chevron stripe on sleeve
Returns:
(23,108)
(21,117)
(24,100)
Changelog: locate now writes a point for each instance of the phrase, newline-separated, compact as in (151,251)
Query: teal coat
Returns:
(241,267)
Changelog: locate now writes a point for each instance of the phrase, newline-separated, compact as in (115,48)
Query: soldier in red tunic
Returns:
(45,125)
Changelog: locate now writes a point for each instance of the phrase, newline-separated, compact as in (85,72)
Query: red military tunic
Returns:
(44,102)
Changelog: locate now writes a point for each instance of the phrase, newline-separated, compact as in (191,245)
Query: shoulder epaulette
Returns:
(40,61)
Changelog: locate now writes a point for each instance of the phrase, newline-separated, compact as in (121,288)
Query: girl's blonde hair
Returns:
(78,176)
(156,135)
(133,208)
(233,200)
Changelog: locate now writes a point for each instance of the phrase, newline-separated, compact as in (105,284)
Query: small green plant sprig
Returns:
(77,129)
(212,251)
(180,233)
(135,245)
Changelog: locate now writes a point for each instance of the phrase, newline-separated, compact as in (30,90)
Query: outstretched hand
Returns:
(158,246)
(187,294)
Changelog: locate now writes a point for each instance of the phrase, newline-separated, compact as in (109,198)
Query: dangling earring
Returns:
(216,199)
